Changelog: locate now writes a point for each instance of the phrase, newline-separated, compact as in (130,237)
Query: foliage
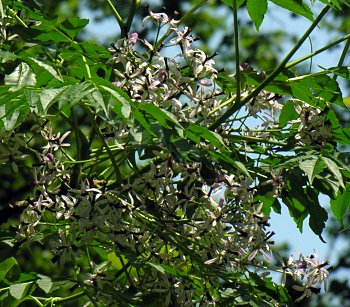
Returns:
(153,173)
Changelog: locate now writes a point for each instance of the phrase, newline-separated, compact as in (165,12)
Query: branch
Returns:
(235,107)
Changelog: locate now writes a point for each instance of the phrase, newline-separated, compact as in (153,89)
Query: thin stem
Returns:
(13,13)
(2,13)
(130,15)
(21,21)
(85,292)
(304,58)
(235,107)
(109,151)
(225,103)
(33,299)
(81,147)
(119,19)
(253,139)
(65,299)
(189,14)
(236,42)
(312,50)
(87,67)
(342,56)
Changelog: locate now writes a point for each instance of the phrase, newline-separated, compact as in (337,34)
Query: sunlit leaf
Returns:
(6,56)
(73,94)
(117,262)
(48,68)
(46,99)
(164,268)
(13,113)
(19,291)
(97,101)
(312,168)
(296,6)
(44,283)
(6,266)
(122,106)
(256,10)
(22,76)
(162,116)
(333,167)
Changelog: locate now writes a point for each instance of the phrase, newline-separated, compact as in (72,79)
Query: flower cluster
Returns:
(308,272)
(166,211)
(172,194)
(265,103)
(156,78)
(5,25)
(313,128)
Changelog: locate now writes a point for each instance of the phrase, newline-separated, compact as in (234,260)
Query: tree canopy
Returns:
(145,173)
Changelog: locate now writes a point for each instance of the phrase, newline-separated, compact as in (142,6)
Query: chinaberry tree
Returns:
(150,173)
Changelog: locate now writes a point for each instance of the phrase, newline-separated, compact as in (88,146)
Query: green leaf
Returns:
(97,101)
(269,202)
(6,56)
(25,277)
(317,90)
(48,68)
(295,197)
(122,106)
(157,267)
(340,205)
(72,94)
(19,291)
(333,3)
(46,99)
(117,262)
(312,168)
(296,210)
(318,215)
(240,166)
(296,6)
(22,76)
(6,266)
(44,283)
(226,83)
(222,158)
(73,25)
(48,31)
(230,3)
(164,268)
(142,120)
(212,137)
(13,112)
(135,135)
(288,113)
(256,10)
(160,115)
(333,167)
